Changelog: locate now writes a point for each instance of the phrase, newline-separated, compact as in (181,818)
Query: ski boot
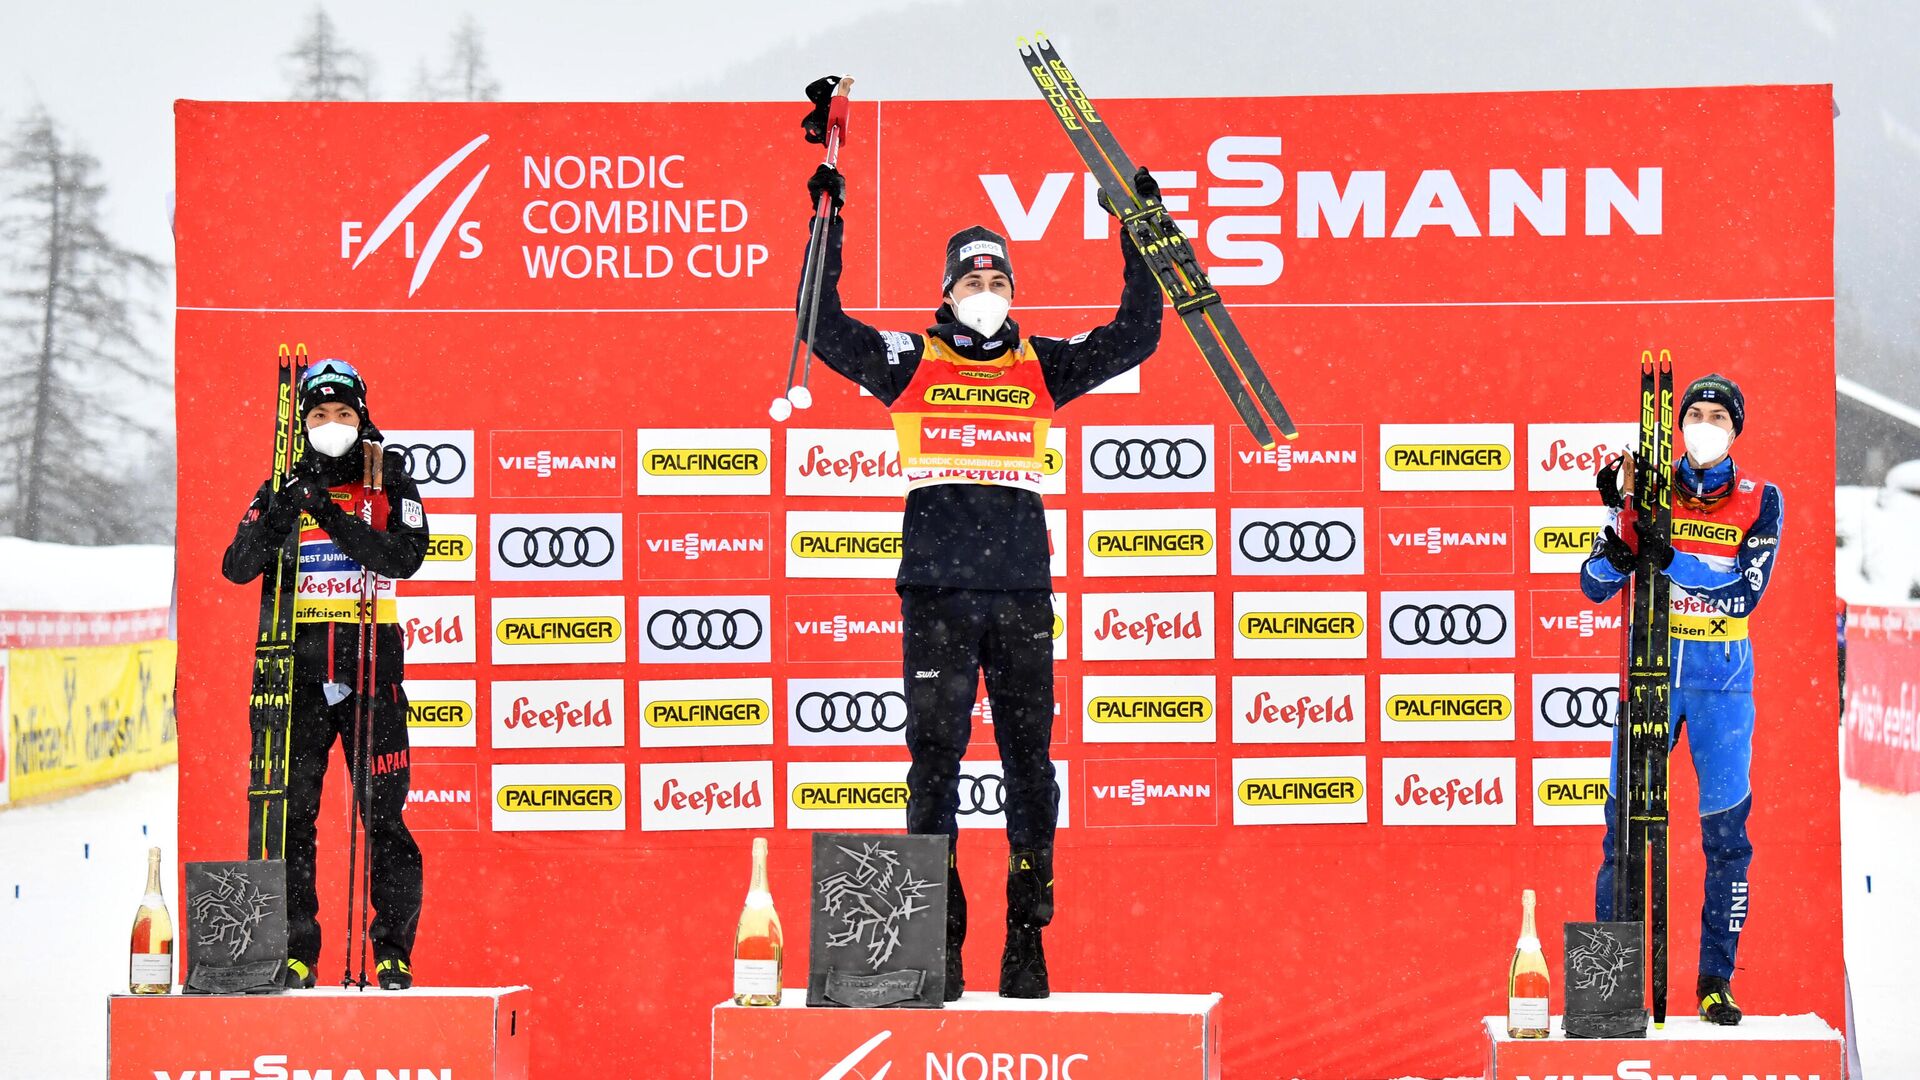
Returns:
(956,932)
(393,974)
(1023,967)
(1716,1001)
(298,975)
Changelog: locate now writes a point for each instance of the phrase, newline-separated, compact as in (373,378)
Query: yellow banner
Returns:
(84,715)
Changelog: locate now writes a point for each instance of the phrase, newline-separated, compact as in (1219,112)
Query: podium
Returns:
(980,1037)
(425,1033)
(1804,1047)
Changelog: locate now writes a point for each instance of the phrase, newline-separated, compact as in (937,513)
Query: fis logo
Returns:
(399,219)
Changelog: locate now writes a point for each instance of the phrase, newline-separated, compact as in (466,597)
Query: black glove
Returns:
(281,512)
(307,496)
(1607,480)
(1616,552)
(820,92)
(827,180)
(1144,185)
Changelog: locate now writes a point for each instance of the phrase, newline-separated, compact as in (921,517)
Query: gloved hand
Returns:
(1610,484)
(281,512)
(306,495)
(820,92)
(827,180)
(1144,185)
(1617,552)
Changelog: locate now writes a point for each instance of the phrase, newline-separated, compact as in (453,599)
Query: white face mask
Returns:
(1706,443)
(332,439)
(983,311)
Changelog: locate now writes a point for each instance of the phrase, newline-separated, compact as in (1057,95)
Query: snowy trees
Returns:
(467,77)
(76,465)
(322,69)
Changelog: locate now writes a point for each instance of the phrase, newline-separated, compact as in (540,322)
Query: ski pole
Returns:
(814,268)
(375,464)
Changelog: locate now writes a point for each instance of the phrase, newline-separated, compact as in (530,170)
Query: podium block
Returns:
(1802,1047)
(427,1033)
(980,1037)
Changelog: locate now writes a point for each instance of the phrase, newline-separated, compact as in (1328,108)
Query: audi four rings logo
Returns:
(1580,706)
(1447,624)
(861,710)
(1298,541)
(521,547)
(982,795)
(440,463)
(1148,459)
(710,629)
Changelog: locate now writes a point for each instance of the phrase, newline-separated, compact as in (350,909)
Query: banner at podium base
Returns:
(980,1037)
(427,1033)
(1801,1047)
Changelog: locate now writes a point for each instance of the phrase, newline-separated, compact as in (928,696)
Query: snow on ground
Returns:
(79,865)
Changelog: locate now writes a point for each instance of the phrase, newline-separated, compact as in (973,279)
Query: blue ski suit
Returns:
(1724,555)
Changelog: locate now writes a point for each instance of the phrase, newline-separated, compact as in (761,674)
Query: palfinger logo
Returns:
(1466,707)
(1561,537)
(1569,791)
(546,798)
(1148,709)
(1300,791)
(558,629)
(1149,543)
(425,257)
(1300,625)
(1446,457)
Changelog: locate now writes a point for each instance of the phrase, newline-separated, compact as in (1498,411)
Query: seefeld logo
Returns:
(996,397)
(1562,458)
(1148,628)
(558,630)
(533,798)
(846,545)
(1300,791)
(444,630)
(1561,792)
(561,714)
(1565,539)
(1410,708)
(716,461)
(1435,457)
(713,796)
(1301,711)
(545,463)
(1308,625)
(398,220)
(1454,792)
(1130,543)
(709,713)
(439,714)
(1159,709)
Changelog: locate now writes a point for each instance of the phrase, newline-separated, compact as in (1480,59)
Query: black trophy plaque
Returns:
(878,921)
(1606,966)
(236,927)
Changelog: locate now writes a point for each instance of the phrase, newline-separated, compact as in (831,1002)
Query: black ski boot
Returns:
(956,932)
(298,975)
(393,974)
(1023,967)
(1716,1001)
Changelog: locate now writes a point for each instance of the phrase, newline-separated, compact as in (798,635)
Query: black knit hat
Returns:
(334,380)
(1721,391)
(975,247)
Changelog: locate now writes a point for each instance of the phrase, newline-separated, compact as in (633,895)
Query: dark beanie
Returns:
(333,380)
(1721,391)
(975,247)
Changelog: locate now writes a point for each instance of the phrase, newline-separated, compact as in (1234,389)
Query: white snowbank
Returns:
(61,577)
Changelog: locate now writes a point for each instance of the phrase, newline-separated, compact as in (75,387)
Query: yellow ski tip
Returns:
(1290,435)
(1268,445)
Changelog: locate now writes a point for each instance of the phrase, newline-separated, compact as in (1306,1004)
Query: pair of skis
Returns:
(1645,721)
(1165,248)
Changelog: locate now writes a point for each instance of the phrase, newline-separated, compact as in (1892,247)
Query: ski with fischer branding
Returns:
(1646,727)
(270,701)
(1160,241)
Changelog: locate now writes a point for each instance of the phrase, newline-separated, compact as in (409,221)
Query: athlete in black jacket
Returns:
(323,501)
(971,412)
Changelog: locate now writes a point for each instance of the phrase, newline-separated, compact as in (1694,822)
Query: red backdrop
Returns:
(1698,220)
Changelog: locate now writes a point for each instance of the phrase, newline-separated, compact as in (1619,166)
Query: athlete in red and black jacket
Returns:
(323,501)
(971,401)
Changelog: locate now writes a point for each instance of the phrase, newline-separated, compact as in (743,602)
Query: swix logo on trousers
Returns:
(422,252)
(1299,708)
(704,461)
(1326,457)
(1147,626)
(555,464)
(1566,624)
(1476,707)
(1564,457)
(695,546)
(1447,791)
(438,629)
(1446,540)
(440,713)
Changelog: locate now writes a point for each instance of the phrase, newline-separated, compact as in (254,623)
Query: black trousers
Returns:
(396,873)
(952,635)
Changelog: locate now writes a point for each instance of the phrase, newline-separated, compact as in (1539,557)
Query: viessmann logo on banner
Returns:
(559,629)
(704,461)
(438,629)
(1569,791)
(1174,457)
(441,797)
(1299,540)
(1326,457)
(1300,625)
(702,795)
(1446,540)
(1447,708)
(843,544)
(695,546)
(557,464)
(1567,624)
(1447,791)
(1299,708)
(1147,626)
(1148,543)
(440,463)
(706,712)
(1564,457)
(440,713)
(846,712)
(452,553)
(1446,457)
(1574,707)
(1134,792)
(1147,709)
(841,628)
(704,630)
(1300,791)
(1561,537)
(1477,623)
(548,714)
(559,798)
(554,547)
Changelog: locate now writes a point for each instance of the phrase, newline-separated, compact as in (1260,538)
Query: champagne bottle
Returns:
(1527,1013)
(150,959)
(757,943)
